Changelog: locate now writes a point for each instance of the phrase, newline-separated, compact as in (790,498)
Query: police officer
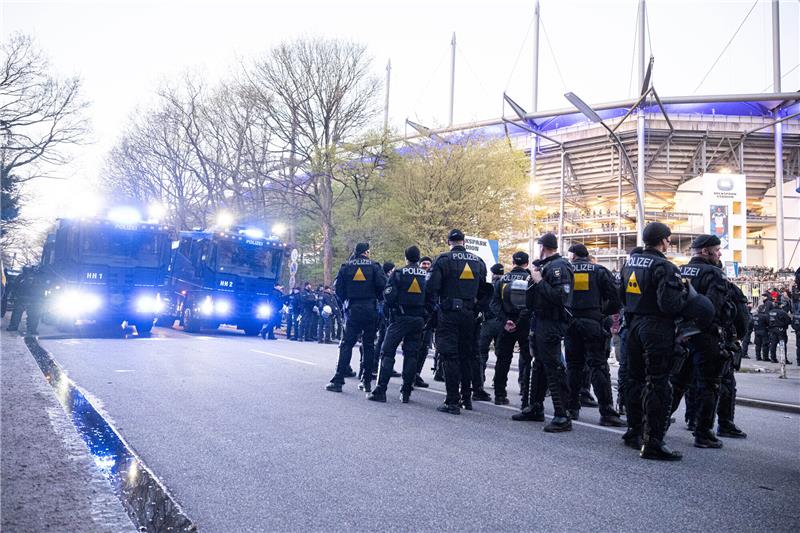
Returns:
(457,280)
(308,303)
(327,305)
(295,311)
(491,326)
(761,332)
(276,299)
(706,353)
(427,336)
(514,316)
(726,407)
(404,307)
(383,320)
(796,328)
(551,284)
(653,295)
(748,332)
(778,322)
(594,293)
(359,284)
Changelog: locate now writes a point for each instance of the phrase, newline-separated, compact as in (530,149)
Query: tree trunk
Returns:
(327,250)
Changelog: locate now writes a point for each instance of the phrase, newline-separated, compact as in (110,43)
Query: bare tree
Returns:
(315,94)
(40,114)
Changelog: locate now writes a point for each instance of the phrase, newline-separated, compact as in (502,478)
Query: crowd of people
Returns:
(678,334)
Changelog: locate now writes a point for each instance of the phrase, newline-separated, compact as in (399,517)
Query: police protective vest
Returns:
(762,319)
(778,318)
(556,272)
(358,275)
(639,284)
(463,277)
(406,289)
(586,291)
(701,275)
(513,291)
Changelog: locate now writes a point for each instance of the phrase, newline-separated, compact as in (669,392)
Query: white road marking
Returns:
(285,357)
(509,408)
(124,370)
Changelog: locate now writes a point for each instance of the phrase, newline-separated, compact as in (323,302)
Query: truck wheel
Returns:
(144,328)
(190,324)
(165,321)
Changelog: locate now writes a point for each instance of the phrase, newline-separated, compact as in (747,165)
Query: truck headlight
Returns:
(149,304)
(75,303)
(207,307)
(222,307)
(264,311)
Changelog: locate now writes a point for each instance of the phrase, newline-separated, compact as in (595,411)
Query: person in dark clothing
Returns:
(427,336)
(550,287)
(491,325)
(404,306)
(514,316)
(706,357)
(594,293)
(796,328)
(308,302)
(326,304)
(747,339)
(778,322)
(457,280)
(359,284)
(653,295)
(276,300)
(726,408)
(295,311)
(761,332)
(28,292)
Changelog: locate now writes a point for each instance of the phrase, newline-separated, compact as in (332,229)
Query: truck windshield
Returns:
(244,259)
(134,248)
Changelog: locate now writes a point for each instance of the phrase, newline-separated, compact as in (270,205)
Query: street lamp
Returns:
(279,229)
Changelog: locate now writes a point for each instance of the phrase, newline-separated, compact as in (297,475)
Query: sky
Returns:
(124,51)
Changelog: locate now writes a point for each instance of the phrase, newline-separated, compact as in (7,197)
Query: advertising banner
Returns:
(725,213)
(486,249)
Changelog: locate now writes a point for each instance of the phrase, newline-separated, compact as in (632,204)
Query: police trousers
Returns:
(362,319)
(761,340)
(504,351)
(585,344)
(704,368)
(408,330)
(649,352)
(547,369)
(490,330)
(776,335)
(454,342)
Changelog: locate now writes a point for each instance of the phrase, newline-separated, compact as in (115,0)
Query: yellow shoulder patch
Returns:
(466,273)
(359,276)
(414,287)
(633,285)
(581,281)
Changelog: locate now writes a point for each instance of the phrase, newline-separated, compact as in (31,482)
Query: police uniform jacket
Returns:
(761,320)
(778,319)
(652,286)
(501,305)
(405,290)
(457,277)
(360,280)
(709,280)
(548,298)
(594,291)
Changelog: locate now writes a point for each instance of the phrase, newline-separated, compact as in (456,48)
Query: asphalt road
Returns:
(243,434)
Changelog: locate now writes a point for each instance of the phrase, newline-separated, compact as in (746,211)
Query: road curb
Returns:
(145,498)
(766,404)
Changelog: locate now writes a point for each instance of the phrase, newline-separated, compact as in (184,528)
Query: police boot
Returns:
(405,395)
(691,425)
(613,421)
(365,385)
(706,439)
(350,372)
(559,424)
(333,387)
(419,382)
(481,395)
(500,398)
(633,439)
(378,395)
(438,375)
(449,409)
(466,402)
(587,400)
(532,413)
(731,431)
(657,450)
(573,414)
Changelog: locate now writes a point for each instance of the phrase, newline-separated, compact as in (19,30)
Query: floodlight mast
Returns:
(592,115)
